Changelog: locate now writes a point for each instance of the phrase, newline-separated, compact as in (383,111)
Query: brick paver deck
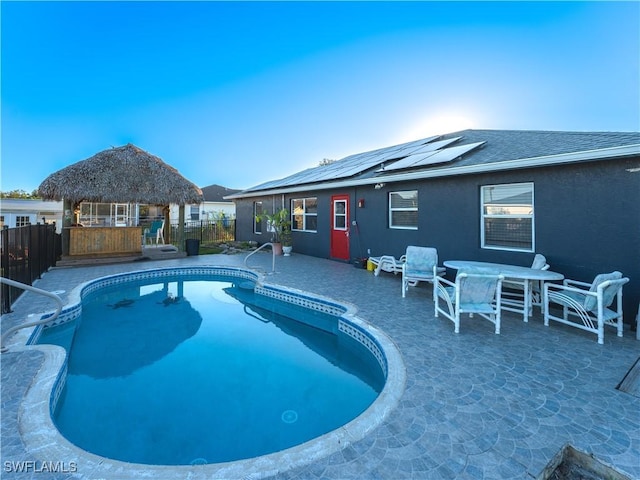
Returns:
(475,406)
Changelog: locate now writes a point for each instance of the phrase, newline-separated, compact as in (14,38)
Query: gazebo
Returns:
(125,174)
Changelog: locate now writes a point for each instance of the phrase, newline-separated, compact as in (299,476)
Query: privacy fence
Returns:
(27,252)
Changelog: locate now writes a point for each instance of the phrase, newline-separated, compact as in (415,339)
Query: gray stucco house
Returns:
(488,195)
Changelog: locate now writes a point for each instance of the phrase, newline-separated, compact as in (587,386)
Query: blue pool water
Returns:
(185,370)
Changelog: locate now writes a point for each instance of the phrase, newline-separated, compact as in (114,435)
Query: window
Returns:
(257,211)
(403,209)
(340,215)
(194,212)
(22,220)
(304,214)
(507,217)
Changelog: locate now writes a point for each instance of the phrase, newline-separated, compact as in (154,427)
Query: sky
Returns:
(239,93)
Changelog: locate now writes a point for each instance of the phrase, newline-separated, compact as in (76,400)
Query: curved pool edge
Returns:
(43,441)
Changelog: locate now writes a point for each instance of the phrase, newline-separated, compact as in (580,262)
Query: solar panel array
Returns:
(417,153)
(348,166)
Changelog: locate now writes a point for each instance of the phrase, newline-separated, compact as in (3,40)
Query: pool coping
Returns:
(41,436)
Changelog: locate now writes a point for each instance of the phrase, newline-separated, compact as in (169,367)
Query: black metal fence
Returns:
(27,252)
(207,231)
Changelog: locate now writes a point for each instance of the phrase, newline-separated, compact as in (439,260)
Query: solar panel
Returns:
(406,162)
(430,147)
(448,154)
(432,158)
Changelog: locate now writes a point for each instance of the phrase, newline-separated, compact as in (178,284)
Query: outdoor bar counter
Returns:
(104,240)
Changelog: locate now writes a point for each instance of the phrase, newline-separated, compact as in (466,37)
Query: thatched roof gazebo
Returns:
(125,174)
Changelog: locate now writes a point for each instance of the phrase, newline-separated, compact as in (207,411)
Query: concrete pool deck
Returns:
(475,405)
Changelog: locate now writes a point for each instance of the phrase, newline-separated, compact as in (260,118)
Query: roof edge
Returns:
(547,160)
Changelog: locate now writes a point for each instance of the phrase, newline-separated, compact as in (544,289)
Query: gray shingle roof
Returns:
(216,193)
(497,146)
(518,144)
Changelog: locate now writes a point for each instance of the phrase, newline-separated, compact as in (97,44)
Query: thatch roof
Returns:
(121,174)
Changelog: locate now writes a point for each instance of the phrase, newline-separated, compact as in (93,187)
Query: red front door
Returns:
(340,227)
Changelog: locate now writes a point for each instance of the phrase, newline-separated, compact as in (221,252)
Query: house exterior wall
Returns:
(36,210)
(586,217)
(205,210)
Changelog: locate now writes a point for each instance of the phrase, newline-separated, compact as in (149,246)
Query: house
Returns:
(18,212)
(214,207)
(487,195)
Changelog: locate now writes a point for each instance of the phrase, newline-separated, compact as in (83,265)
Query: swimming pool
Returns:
(321,324)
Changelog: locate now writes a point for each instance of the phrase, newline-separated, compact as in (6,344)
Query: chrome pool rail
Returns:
(44,319)
(273,255)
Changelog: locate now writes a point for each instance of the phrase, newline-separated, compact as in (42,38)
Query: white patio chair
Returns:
(586,305)
(472,293)
(421,265)
(513,288)
(387,263)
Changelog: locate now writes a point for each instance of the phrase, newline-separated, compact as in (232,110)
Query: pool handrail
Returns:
(42,320)
(273,263)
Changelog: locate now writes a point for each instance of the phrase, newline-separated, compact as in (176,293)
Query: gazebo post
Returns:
(167,224)
(180,238)
(67,221)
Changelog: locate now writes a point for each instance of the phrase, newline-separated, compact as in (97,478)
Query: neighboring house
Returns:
(489,195)
(18,212)
(214,207)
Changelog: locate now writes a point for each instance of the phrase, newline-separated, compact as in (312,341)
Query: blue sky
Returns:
(237,93)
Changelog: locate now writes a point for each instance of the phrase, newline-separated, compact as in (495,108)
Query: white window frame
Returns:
(304,214)
(483,191)
(342,215)
(23,220)
(194,213)
(404,209)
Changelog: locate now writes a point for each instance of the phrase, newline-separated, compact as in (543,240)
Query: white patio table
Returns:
(526,274)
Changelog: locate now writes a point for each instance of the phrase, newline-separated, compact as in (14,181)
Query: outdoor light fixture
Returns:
(378,186)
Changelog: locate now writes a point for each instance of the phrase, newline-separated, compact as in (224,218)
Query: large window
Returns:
(507,217)
(403,209)
(257,212)
(304,214)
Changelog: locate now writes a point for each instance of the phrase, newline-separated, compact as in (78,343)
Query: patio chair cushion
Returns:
(420,261)
(591,302)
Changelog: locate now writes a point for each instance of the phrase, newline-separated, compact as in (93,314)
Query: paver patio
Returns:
(476,405)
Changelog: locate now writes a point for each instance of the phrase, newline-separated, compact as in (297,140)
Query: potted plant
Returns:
(277,223)
(287,245)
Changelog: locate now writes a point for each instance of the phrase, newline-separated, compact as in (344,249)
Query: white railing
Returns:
(273,254)
(29,288)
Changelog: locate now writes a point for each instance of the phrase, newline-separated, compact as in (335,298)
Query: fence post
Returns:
(4,289)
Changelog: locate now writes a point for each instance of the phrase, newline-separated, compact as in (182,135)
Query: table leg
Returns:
(527,300)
